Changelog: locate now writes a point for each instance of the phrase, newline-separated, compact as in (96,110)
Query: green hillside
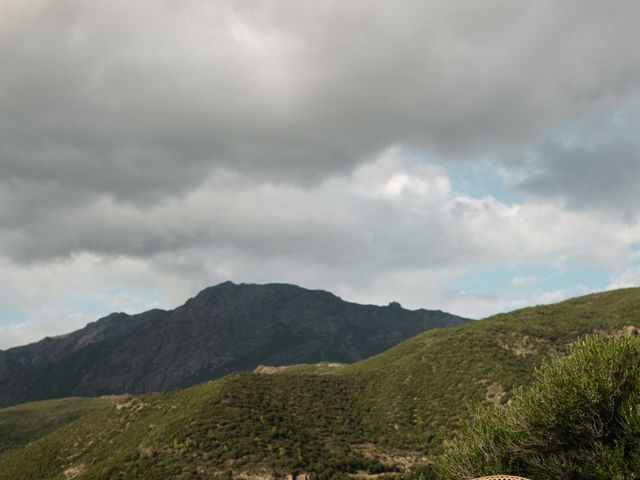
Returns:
(385,414)
(25,423)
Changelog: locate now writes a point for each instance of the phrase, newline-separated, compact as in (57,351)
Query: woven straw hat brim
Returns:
(501,477)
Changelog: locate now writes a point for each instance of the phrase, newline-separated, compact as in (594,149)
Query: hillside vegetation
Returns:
(22,424)
(579,419)
(386,414)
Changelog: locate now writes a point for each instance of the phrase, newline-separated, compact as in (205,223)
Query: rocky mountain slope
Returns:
(223,329)
(387,414)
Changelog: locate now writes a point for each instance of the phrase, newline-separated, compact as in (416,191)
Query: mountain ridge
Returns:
(224,328)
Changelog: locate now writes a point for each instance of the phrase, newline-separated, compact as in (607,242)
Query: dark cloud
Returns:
(601,177)
(142,101)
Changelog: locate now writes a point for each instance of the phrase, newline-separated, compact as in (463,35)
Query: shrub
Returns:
(580,419)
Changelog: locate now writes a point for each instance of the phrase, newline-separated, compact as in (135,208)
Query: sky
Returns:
(474,157)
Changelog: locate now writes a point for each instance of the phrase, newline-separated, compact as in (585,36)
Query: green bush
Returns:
(579,420)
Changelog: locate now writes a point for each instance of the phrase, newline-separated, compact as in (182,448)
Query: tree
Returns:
(580,419)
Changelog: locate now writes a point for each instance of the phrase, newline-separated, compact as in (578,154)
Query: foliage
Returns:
(580,419)
(323,420)
(22,424)
(243,423)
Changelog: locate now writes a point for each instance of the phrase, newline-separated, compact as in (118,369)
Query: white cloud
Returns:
(350,235)
(54,298)
(630,277)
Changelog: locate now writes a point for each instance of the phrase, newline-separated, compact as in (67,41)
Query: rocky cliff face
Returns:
(223,329)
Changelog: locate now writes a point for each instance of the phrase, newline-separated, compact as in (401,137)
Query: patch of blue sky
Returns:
(117,300)
(521,279)
(573,275)
(476,178)
(621,123)
(481,179)
(93,306)
(10,315)
(486,281)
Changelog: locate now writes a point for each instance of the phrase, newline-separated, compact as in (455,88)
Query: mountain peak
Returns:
(225,328)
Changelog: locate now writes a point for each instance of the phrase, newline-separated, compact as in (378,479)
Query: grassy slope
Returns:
(25,423)
(322,419)
(434,375)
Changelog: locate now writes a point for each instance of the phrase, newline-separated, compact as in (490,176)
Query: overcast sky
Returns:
(469,156)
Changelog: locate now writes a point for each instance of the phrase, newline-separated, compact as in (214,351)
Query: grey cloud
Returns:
(144,100)
(601,177)
(113,114)
(356,226)
(393,230)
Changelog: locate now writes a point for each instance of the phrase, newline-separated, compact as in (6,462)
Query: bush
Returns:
(580,419)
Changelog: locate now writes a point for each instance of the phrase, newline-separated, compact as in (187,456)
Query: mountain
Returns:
(389,413)
(223,329)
